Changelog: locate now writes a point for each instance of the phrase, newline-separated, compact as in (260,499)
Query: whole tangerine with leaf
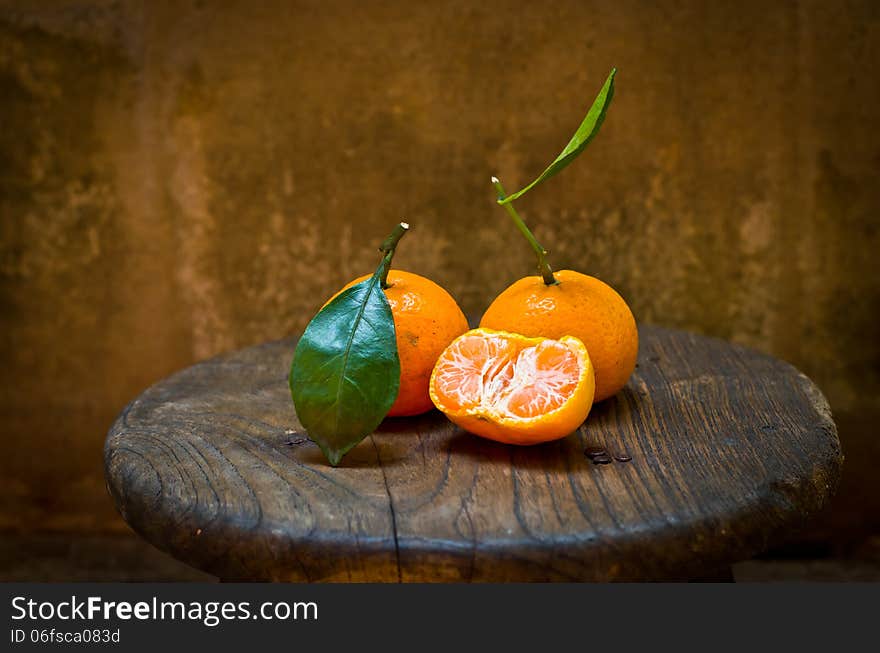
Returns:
(369,352)
(569,303)
(426,320)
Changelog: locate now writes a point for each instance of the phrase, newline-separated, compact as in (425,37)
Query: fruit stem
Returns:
(543,266)
(387,248)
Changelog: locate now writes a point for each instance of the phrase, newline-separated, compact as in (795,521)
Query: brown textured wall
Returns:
(181,179)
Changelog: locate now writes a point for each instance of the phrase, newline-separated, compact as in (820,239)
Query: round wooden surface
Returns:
(731,451)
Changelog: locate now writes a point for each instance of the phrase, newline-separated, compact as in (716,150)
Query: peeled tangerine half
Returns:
(513,389)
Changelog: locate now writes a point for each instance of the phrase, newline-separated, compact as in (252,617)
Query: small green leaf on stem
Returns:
(582,137)
(345,373)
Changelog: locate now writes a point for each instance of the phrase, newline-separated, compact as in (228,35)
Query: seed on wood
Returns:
(601,459)
(622,457)
(592,452)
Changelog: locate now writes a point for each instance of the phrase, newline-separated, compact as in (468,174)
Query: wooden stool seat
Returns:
(731,451)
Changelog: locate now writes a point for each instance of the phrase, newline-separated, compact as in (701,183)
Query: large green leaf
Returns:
(345,373)
(582,137)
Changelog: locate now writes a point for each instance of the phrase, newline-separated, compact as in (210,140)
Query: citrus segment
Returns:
(514,389)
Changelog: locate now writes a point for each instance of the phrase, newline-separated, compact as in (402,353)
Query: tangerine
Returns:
(513,389)
(576,305)
(426,320)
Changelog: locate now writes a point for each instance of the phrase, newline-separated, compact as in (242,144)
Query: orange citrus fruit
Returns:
(426,319)
(580,306)
(513,389)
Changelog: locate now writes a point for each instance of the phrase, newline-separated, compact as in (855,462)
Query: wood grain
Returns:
(732,451)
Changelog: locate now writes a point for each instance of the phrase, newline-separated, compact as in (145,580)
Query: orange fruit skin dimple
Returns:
(494,384)
(581,306)
(426,320)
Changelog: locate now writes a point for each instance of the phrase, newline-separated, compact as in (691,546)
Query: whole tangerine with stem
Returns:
(556,304)
(426,320)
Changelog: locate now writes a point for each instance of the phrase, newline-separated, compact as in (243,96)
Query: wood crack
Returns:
(390,509)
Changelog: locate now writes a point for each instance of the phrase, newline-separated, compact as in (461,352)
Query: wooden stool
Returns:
(731,451)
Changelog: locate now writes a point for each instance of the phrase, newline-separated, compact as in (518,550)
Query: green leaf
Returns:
(582,137)
(345,373)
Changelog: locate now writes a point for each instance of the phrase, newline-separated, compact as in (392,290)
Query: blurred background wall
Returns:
(179,179)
